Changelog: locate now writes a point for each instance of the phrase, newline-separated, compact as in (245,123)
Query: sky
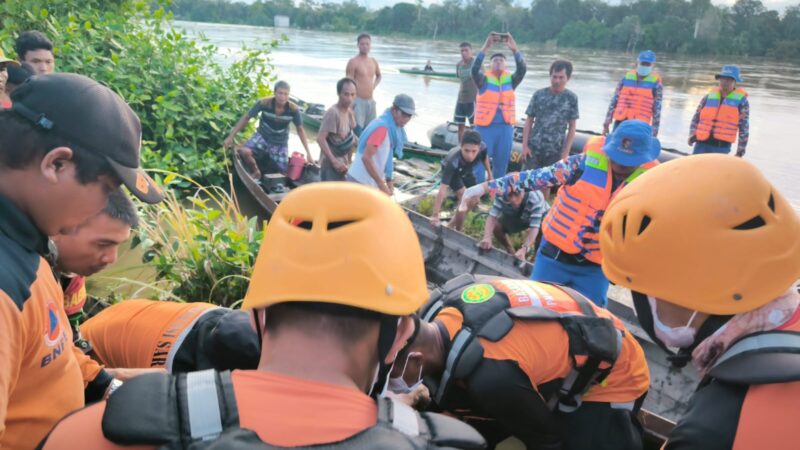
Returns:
(377,4)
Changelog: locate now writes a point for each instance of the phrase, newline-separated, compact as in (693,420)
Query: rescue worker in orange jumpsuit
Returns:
(711,251)
(721,113)
(178,337)
(331,299)
(569,253)
(527,359)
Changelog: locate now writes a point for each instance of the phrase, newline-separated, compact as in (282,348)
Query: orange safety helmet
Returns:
(705,232)
(342,243)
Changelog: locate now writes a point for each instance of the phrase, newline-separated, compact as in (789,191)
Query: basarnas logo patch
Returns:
(477,293)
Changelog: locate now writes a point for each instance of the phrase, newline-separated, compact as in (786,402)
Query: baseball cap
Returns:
(404,103)
(647,56)
(3,59)
(92,117)
(632,144)
(729,71)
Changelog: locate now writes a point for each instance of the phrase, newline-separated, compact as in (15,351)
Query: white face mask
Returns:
(644,70)
(679,337)
(398,385)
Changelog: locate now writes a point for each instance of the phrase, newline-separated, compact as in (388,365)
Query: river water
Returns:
(312,62)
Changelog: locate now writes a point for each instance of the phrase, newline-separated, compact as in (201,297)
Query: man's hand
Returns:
(485,244)
(473,192)
(605,129)
(489,42)
(435,221)
(692,140)
(339,166)
(127,374)
(526,153)
(228,142)
(522,253)
(310,159)
(387,188)
(511,43)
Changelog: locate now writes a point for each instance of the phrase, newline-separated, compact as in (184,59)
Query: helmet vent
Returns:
(643,225)
(771,202)
(624,225)
(339,224)
(304,224)
(755,222)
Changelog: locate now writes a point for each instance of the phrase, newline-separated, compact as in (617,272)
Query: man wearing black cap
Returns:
(65,144)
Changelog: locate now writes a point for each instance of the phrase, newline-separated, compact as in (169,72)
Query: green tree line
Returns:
(747,28)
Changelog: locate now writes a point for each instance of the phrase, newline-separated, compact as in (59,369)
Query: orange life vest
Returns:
(769,413)
(636,99)
(497,92)
(574,219)
(719,118)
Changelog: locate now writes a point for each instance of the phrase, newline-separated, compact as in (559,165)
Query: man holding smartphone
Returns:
(495,108)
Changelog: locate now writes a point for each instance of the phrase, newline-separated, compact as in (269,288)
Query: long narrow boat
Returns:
(445,137)
(429,73)
(449,253)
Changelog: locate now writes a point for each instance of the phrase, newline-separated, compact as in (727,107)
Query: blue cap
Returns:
(632,144)
(647,56)
(730,72)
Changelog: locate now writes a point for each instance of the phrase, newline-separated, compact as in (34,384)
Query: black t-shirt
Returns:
(457,173)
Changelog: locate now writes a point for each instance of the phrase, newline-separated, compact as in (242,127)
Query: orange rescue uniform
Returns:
(282,410)
(141,333)
(40,375)
(541,349)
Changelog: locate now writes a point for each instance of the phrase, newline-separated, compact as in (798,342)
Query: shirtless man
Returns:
(367,73)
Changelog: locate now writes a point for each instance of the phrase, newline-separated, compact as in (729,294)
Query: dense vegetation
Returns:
(185,96)
(693,27)
(200,246)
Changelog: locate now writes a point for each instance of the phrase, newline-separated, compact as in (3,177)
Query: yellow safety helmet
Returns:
(341,243)
(705,232)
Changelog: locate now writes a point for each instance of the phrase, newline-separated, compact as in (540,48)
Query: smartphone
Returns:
(501,37)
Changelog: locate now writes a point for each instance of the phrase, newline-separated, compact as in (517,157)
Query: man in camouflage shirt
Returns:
(551,111)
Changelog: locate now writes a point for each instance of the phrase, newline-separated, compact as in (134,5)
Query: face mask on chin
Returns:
(679,337)
(398,385)
(644,70)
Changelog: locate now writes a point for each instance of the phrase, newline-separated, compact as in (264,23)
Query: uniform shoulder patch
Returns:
(477,293)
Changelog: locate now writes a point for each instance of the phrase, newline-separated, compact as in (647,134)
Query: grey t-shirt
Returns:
(468,90)
(552,113)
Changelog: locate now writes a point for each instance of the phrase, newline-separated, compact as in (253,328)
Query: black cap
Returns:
(92,117)
(18,74)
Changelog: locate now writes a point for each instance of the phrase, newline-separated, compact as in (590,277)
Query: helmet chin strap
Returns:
(386,335)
